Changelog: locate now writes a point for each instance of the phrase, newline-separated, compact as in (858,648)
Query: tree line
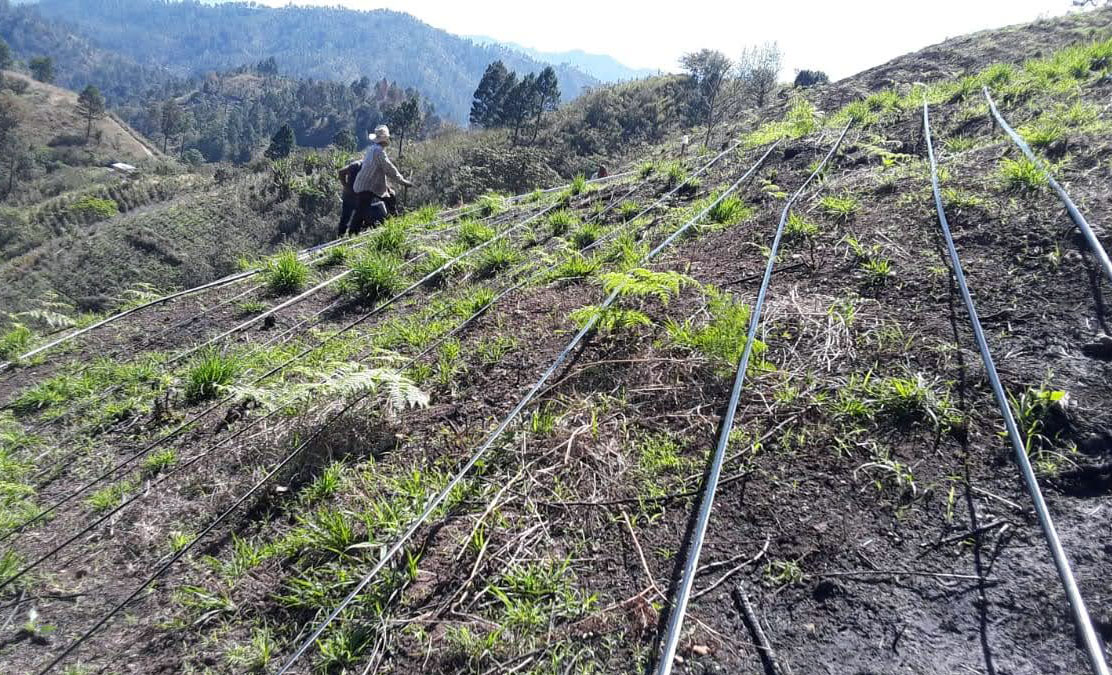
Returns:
(504,100)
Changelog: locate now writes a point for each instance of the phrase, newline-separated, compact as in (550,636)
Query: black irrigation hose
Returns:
(683,592)
(235,505)
(501,428)
(1073,595)
(1075,214)
(189,422)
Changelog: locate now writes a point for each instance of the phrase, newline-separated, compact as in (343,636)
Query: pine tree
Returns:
(404,119)
(90,106)
(486,104)
(344,140)
(42,68)
(546,96)
(282,144)
(707,71)
(172,122)
(5,55)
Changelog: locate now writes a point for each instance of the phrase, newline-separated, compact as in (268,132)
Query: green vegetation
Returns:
(585,235)
(392,237)
(723,338)
(729,211)
(285,274)
(209,373)
(91,209)
(561,221)
(15,341)
(1022,175)
(499,256)
(841,208)
(576,266)
(471,233)
(610,319)
(627,210)
(798,228)
(376,275)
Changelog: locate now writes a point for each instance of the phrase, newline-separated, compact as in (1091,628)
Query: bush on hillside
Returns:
(93,209)
(809,78)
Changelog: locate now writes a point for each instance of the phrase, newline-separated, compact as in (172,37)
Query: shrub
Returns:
(210,371)
(578,185)
(94,208)
(285,274)
(376,275)
(674,174)
(810,78)
(628,210)
(646,169)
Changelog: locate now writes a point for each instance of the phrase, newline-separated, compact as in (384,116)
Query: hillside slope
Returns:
(49,118)
(486,434)
(312,42)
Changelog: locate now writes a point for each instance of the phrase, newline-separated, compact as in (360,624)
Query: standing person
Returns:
(349,202)
(372,185)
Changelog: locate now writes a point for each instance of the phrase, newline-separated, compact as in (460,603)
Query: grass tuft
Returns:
(284,274)
(210,371)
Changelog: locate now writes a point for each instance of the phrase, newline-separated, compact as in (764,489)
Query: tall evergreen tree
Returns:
(520,104)
(172,122)
(405,119)
(5,55)
(485,106)
(90,106)
(282,143)
(546,97)
(42,68)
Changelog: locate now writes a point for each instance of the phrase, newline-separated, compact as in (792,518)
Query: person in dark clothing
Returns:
(377,198)
(349,202)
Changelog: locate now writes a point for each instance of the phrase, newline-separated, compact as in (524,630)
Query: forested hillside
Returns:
(77,62)
(309,42)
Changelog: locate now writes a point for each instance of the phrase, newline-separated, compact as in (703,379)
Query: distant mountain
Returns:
(329,43)
(600,66)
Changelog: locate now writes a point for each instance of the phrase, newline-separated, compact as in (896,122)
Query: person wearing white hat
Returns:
(372,185)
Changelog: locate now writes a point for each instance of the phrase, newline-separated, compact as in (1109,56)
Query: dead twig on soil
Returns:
(965,535)
(768,655)
(904,573)
(732,571)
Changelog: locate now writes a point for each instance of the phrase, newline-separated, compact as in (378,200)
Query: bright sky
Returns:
(841,38)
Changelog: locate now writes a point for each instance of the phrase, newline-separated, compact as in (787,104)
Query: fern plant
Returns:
(723,339)
(346,381)
(643,283)
(610,319)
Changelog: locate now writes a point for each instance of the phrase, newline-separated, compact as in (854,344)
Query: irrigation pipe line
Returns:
(105,395)
(227,512)
(232,278)
(504,424)
(179,469)
(1073,595)
(358,321)
(1075,214)
(683,592)
(189,422)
